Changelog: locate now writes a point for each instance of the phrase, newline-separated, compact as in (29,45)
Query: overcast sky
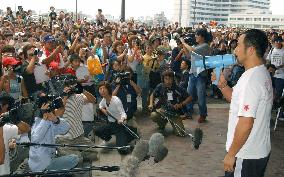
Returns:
(134,8)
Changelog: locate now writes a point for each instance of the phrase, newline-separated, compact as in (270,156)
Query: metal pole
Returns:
(123,10)
(194,12)
(180,12)
(76,10)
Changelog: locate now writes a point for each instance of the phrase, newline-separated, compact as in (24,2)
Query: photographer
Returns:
(11,82)
(50,59)
(169,98)
(112,107)
(74,104)
(198,77)
(44,130)
(28,67)
(10,131)
(127,91)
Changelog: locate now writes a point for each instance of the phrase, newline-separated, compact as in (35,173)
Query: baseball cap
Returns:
(278,39)
(10,61)
(48,38)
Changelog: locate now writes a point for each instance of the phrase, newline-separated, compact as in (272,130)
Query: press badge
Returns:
(128,97)
(170,96)
(156,101)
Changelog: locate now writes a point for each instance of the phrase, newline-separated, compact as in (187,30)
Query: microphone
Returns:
(129,167)
(141,150)
(156,147)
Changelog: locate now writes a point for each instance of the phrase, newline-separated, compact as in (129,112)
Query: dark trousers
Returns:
(123,137)
(249,167)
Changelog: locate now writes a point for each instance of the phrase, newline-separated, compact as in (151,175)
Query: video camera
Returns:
(21,111)
(56,85)
(189,38)
(122,78)
(55,102)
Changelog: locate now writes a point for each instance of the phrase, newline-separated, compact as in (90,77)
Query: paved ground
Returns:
(183,161)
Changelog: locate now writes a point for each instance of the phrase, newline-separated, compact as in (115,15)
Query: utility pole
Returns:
(76,10)
(123,10)
(194,12)
(180,12)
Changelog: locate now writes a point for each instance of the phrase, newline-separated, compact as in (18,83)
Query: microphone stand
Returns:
(64,171)
(71,145)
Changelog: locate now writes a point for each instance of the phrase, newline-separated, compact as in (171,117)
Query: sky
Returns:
(134,8)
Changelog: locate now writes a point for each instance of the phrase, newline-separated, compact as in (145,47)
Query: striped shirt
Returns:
(73,114)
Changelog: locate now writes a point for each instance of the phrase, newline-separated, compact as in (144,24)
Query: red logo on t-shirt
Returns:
(246,107)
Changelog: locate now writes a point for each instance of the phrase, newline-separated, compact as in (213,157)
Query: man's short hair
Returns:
(26,48)
(107,85)
(8,49)
(257,39)
(74,57)
(6,99)
(168,73)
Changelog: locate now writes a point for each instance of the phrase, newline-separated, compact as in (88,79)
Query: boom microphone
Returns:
(129,167)
(141,150)
(156,147)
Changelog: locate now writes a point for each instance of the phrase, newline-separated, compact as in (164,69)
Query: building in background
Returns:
(189,12)
(256,20)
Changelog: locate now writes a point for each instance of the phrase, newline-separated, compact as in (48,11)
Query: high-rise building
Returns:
(188,12)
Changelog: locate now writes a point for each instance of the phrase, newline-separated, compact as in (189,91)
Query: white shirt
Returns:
(115,108)
(41,69)
(9,132)
(88,112)
(277,58)
(81,72)
(252,97)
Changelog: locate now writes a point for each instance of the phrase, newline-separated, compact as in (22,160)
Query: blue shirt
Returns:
(43,132)
(127,95)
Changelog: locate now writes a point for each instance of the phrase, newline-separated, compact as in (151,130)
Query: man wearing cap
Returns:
(276,57)
(51,59)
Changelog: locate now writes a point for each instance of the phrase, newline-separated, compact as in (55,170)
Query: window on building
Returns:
(233,19)
(248,19)
(240,18)
(266,19)
(257,19)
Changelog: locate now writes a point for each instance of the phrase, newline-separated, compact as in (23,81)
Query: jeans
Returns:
(64,162)
(197,89)
(279,86)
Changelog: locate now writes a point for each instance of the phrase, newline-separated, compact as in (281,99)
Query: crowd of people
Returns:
(115,63)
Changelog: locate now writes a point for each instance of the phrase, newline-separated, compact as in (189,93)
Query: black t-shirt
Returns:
(29,79)
(167,97)
(53,15)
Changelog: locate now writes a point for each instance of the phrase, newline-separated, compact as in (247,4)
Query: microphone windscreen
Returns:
(129,167)
(160,154)
(155,142)
(141,150)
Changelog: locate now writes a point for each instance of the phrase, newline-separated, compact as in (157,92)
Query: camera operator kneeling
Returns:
(127,91)
(168,98)
(44,130)
(112,107)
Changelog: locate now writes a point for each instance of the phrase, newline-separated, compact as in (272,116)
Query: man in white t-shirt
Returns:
(51,58)
(248,137)
(276,57)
